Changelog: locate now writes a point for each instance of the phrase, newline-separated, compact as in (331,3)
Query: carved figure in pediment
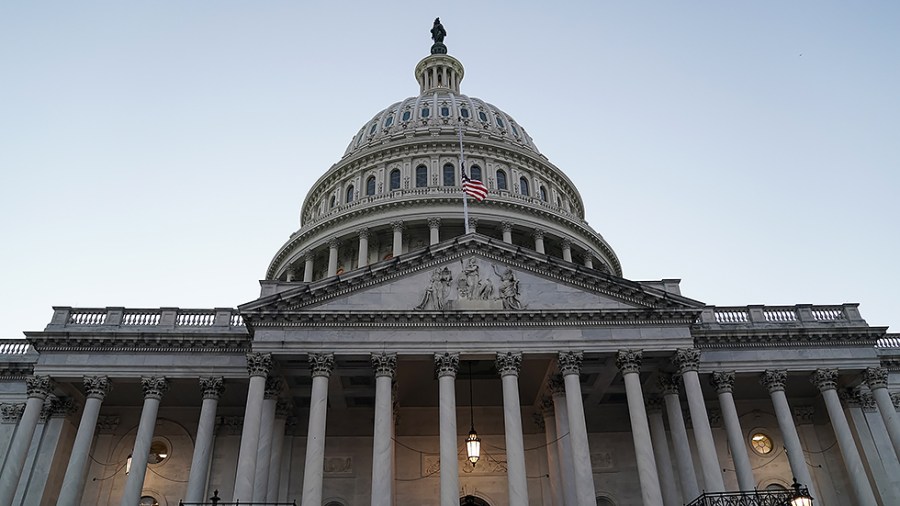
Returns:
(509,289)
(437,290)
(470,285)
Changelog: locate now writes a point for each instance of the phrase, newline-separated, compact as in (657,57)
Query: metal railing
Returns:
(215,500)
(796,496)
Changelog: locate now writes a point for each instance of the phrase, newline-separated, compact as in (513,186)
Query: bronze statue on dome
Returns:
(437,35)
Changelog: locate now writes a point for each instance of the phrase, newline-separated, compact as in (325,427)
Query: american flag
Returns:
(473,187)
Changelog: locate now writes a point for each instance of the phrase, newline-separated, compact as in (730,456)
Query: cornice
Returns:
(787,338)
(138,342)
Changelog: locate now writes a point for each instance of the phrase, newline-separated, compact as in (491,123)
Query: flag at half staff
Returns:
(473,187)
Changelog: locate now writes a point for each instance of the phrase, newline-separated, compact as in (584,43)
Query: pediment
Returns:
(470,274)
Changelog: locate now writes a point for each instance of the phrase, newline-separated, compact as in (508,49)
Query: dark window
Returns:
(515,131)
(482,116)
(395,179)
(501,180)
(449,175)
(406,115)
(464,112)
(425,112)
(372,130)
(388,121)
(543,194)
(331,204)
(475,172)
(421,176)
(350,193)
(445,111)
(370,185)
(558,202)
(499,120)
(523,185)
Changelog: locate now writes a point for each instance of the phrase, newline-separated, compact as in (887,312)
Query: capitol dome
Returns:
(397,188)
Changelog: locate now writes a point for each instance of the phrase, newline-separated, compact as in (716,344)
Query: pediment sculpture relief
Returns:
(473,288)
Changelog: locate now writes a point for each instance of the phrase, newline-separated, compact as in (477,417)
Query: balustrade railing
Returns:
(797,496)
(14,347)
(215,500)
(782,314)
(888,341)
(156,317)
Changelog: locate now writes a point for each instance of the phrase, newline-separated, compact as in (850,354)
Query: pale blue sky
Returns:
(157,153)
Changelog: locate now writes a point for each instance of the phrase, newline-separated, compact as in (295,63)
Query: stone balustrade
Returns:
(119,317)
(757,315)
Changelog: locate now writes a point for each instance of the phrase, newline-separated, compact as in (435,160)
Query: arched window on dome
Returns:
(449,175)
(543,193)
(421,176)
(332,201)
(558,202)
(501,180)
(370,185)
(349,194)
(523,186)
(475,172)
(395,179)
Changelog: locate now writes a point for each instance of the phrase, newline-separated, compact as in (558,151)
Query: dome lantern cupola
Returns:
(439,71)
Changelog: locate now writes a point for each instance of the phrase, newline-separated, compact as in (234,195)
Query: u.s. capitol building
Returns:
(385,333)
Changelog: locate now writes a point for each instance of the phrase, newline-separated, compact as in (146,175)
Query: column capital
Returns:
(333,242)
(434,222)
(384,364)
(547,408)
(506,226)
(895,399)
(538,419)
(107,424)
(508,363)
(537,233)
(825,379)
(308,255)
(58,407)
(211,387)
(876,377)
(398,225)
(570,362)
(629,361)
(11,412)
(687,359)
(259,364)
(282,409)
(566,243)
(723,381)
(473,223)
(363,233)
(320,364)
(556,385)
(274,386)
(654,404)
(668,384)
(154,387)
(38,386)
(446,364)
(96,387)
(773,379)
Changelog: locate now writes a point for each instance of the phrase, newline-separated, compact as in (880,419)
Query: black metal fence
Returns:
(215,500)
(754,498)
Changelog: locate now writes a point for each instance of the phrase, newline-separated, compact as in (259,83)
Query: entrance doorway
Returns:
(471,500)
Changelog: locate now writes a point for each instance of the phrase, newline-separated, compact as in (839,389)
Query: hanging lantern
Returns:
(801,495)
(473,447)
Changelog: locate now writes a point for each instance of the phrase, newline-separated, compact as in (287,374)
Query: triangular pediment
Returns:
(473,273)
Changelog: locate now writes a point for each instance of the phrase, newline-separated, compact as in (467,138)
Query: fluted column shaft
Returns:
(39,388)
(212,388)
(688,362)
(570,367)
(154,388)
(661,453)
(398,238)
(550,438)
(321,366)
(876,378)
(73,482)
(333,257)
(508,365)
(774,380)
(724,384)
(826,380)
(258,366)
(308,268)
(385,365)
(685,463)
(566,460)
(447,365)
(363,259)
(629,362)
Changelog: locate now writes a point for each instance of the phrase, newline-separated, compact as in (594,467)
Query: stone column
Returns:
(10,413)
(877,378)
(95,388)
(724,385)
(538,235)
(363,259)
(774,381)
(688,362)
(826,381)
(685,463)
(588,259)
(258,367)
(154,388)
(566,461)
(567,252)
(282,411)
(507,227)
(48,451)
(320,367)
(446,366)
(548,423)
(570,367)
(434,229)
(508,366)
(398,238)
(629,362)
(308,266)
(670,493)
(856,404)
(38,388)
(333,245)
(211,389)
(384,364)
(273,389)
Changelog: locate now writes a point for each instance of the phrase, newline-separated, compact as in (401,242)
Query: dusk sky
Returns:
(157,153)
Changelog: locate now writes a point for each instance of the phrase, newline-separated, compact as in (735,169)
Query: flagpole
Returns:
(462,170)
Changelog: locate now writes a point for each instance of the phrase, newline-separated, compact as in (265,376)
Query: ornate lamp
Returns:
(801,495)
(473,442)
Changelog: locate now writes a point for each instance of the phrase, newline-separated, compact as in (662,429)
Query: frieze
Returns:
(338,465)
(474,289)
(487,465)
(122,342)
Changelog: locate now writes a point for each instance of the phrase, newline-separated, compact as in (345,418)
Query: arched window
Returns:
(395,179)
(501,180)
(349,194)
(370,185)
(558,202)
(475,172)
(332,202)
(421,176)
(449,175)
(543,193)
(523,186)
